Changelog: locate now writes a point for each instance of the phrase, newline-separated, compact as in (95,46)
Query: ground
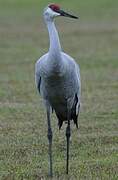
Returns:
(93,42)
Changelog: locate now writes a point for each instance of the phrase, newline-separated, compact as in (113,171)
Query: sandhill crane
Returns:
(58,81)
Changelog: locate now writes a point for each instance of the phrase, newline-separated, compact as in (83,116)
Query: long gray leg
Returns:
(49,135)
(68,134)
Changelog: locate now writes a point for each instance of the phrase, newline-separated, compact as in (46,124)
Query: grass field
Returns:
(93,42)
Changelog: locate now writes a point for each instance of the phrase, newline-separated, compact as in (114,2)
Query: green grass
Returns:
(93,42)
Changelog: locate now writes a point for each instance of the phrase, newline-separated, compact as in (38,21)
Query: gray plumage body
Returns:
(58,82)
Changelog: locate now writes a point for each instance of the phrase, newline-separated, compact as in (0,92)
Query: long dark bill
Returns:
(63,13)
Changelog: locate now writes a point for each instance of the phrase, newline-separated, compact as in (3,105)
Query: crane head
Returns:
(54,10)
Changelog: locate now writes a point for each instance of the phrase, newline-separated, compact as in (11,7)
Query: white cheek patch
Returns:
(52,13)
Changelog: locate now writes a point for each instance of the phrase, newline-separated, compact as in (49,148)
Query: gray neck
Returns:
(54,62)
(55,47)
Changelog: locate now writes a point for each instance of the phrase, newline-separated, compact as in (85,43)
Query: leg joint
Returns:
(49,135)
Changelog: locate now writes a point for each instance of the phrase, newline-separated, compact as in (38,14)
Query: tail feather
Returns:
(74,113)
(60,123)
